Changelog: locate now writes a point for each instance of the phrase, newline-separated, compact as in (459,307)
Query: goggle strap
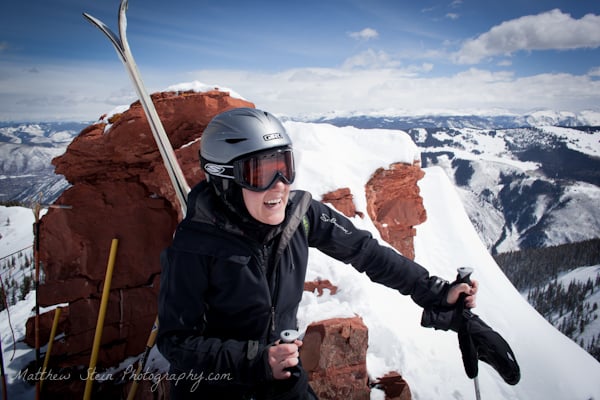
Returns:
(219,170)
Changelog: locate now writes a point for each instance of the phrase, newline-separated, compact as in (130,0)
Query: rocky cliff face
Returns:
(395,205)
(120,189)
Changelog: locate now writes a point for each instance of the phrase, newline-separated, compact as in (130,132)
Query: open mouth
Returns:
(272,203)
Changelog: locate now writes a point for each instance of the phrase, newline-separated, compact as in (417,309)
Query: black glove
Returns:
(296,387)
(477,341)
(444,316)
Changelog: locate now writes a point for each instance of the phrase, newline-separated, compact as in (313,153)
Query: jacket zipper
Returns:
(273,292)
(277,273)
(272,318)
(265,255)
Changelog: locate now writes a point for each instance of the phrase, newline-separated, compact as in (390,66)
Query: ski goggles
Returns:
(258,172)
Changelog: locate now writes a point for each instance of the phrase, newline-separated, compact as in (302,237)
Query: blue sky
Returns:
(306,58)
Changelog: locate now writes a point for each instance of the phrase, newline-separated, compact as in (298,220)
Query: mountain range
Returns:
(527,181)
(26,152)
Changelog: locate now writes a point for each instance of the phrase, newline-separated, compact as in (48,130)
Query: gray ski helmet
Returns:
(239,132)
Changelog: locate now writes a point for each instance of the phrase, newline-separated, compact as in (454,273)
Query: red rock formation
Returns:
(334,354)
(343,201)
(394,386)
(320,286)
(120,190)
(395,206)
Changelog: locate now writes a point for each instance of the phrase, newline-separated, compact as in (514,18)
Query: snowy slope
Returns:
(430,360)
(330,158)
(16,229)
(553,366)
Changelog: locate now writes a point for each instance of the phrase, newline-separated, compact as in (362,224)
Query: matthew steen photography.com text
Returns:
(129,374)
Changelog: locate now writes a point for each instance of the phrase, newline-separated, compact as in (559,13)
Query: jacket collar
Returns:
(207,208)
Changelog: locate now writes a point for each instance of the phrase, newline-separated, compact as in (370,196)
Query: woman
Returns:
(234,275)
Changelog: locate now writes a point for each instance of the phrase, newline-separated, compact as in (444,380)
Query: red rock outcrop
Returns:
(343,201)
(395,205)
(120,189)
(334,355)
(320,285)
(394,386)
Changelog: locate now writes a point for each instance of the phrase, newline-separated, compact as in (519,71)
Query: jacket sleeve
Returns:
(180,339)
(336,236)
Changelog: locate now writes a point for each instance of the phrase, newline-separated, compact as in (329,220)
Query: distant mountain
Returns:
(26,152)
(525,182)
(491,121)
(523,186)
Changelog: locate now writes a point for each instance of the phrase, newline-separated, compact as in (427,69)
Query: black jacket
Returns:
(225,296)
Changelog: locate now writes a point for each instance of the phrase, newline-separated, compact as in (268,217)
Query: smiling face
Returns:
(268,206)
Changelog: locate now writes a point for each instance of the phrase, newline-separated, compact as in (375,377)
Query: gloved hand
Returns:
(295,387)
(448,314)
(477,341)
(444,318)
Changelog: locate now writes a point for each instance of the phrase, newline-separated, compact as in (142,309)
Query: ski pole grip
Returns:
(464,275)
(289,336)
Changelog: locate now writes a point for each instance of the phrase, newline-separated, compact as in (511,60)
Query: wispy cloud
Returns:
(62,92)
(595,72)
(370,59)
(364,35)
(406,90)
(81,92)
(551,30)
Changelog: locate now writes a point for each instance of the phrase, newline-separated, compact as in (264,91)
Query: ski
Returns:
(176,176)
(121,45)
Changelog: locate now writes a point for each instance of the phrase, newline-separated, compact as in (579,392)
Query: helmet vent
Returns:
(234,141)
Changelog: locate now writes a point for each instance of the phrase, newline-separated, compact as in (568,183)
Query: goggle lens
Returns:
(260,172)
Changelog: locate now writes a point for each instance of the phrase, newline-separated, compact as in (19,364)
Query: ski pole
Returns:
(50,342)
(289,336)
(36,284)
(464,276)
(37,208)
(4,391)
(100,323)
(144,359)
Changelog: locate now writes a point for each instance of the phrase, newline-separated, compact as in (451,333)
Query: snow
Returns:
(197,86)
(477,144)
(578,211)
(328,157)
(587,143)
(16,229)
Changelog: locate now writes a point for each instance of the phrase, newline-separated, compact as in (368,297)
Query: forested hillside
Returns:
(536,267)
(563,284)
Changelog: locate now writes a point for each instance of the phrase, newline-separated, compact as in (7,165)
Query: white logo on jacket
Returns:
(327,218)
